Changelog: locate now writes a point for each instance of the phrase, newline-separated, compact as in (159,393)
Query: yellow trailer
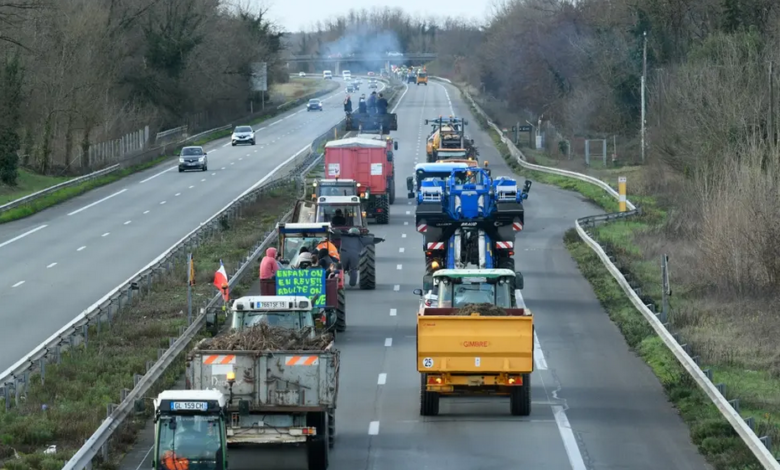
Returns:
(475,355)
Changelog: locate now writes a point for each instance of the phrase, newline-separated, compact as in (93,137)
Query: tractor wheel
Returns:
(368,268)
(506,263)
(391,191)
(520,398)
(317,447)
(383,218)
(341,312)
(331,428)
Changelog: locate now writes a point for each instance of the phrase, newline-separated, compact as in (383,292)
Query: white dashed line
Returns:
(397,287)
(213,174)
(240,159)
(97,202)
(403,235)
(373,428)
(388,342)
(23,235)
(51,265)
(204,179)
(106,234)
(18,284)
(223,167)
(177,194)
(406,223)
(401,250)
(393,312)
(128,222)
(232,163)
(146,212)
(382,379)
(81,248)
(191,187)
(162,203)
(398,267)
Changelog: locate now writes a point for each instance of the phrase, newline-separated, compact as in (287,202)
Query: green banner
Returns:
(309,283)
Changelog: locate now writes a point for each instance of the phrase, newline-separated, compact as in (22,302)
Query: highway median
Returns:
(729,350)
(292,98)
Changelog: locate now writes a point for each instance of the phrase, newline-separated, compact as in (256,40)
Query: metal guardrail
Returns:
(65,184)
(760,447)
(97,443)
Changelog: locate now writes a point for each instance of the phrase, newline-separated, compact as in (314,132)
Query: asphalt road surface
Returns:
(595,405)
(57,263)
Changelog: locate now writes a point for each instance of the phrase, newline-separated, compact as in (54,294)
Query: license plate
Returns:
(189,406)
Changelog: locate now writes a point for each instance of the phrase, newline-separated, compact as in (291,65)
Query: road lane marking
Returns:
(373,428)
(232,163)
(146,212)
(162,203)
(569,441)
(19,237)
(97,202)
(51,265)
(204,179)
(401,250)
(191,187)
(382,379)
(406,223)
(158,174)
(18,284)
(398,267)
(397,287)
(403,235)
(539,359)
(388,342)
(81,248)
(128,222)
(213,174)
(177,194)
(393,312)
(223,167)
(106,234)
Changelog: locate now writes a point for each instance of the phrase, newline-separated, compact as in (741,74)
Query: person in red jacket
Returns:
(269,265)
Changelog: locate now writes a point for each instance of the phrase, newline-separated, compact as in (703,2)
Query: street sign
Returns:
(260,76)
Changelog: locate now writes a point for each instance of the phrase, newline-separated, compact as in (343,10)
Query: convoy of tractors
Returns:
(474,334)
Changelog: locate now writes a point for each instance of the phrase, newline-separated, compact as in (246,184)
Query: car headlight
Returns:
(181,159)
(202,159)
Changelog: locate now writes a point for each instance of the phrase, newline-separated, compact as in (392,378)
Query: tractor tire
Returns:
(506,263)
(367,268)
(391,191)
(317,448)
(429,401)
(520,398)
(383,218)
(341,312)
(331,428)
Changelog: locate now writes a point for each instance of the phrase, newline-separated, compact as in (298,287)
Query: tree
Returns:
(11,77)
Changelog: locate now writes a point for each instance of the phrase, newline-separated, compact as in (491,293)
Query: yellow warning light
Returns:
(231,377)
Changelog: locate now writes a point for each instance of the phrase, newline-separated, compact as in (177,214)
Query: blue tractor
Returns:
(433,171)
(470,219)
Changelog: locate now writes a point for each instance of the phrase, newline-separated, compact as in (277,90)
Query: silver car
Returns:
(243,135)
(193,158)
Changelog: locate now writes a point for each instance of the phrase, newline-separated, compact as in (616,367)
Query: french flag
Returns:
(221,281)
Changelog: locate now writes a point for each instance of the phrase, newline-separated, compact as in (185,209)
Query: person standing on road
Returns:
(352,245)
(381,104)
(348,105)
(362,105)
(372,103)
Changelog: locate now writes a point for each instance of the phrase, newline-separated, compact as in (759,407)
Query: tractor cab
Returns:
(340,212)
(190,430)
(456,288)
(335,187)
(440,171)
(292,312)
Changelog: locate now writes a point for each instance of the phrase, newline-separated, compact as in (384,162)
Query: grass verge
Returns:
(27,184)
(31,182)
(635,244)
(70,404)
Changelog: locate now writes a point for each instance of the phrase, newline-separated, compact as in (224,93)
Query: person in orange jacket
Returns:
(333,252)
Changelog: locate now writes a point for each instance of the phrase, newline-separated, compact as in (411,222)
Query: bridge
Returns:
(416,58)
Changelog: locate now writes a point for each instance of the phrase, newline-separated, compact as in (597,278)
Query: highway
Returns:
(57,263)
(595,404)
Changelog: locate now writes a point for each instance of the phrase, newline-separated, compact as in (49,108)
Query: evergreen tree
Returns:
(10,116)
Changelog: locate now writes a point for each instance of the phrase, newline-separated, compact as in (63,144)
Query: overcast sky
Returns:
(294,15)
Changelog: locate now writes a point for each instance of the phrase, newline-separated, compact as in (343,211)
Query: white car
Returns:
(302,74)
(242,135)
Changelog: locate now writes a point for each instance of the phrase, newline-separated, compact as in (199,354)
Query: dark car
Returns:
(243,135)
(314,105)
(351,88)
(193,158)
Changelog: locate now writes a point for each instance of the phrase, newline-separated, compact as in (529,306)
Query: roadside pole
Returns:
(190,282)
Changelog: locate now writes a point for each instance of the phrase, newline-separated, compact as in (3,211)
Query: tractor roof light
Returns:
(231,377)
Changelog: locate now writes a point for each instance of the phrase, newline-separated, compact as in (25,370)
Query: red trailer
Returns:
(370,163)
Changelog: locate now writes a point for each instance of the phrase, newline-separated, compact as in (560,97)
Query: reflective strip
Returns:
(517,226)
(436,246)
(422,228)
(302,360)
(216,359)
(622,198)
(504,245)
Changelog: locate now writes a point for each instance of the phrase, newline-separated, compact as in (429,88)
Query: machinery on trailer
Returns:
(274,396)
(363,122)
(448,139)
(470,219)
(370,163)
(190,430)
(463,352)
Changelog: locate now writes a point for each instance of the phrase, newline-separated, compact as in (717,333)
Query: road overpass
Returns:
(335,63)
